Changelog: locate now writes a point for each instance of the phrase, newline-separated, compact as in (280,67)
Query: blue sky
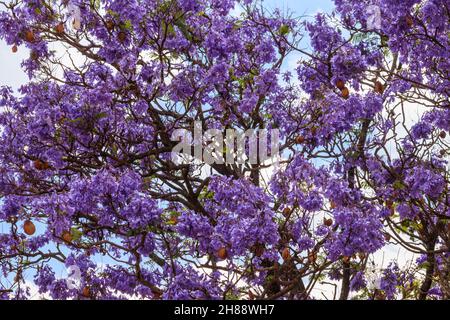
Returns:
(12,75)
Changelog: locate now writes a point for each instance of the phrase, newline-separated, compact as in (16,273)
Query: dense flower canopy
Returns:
(87,179)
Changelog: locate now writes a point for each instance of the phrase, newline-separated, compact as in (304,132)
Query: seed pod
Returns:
(312,257)
(287,211)
(14,49)
(59,29)
(345,93)
(332,205)
(122,36)
(286,254)
(340,84)
(86,292)
(379,88)
(387,237)
(222,253)
(29,228)
(328,222)
(109,25)
(29,36)
(34,55)
(41,165)
(66,236)
(442,134)
(409,21)
(300,140)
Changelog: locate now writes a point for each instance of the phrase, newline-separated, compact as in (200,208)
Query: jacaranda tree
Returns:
(87,180)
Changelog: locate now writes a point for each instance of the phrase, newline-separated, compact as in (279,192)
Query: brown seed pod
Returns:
(286,254)
(86,292)
(41,165)
(409,21)
(287,211)
(345,93)
(122,36)
(59,29)
(29,36)
(29,228)
(110,25)
(346,259)
(340,84)
(442,134)
(222,253)
(379,88)
(387,237)
(328,222)
(14,49)
(312,257)
(300,139)
(66,236)
(333,205)
(34,55)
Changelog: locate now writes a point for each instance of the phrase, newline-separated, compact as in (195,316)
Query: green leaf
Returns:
(95,4)
(101,115)
(284,30)
(398,185)
(127,25)
(76,234)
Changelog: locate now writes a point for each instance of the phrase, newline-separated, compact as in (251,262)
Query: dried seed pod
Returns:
(41,165)
(66,236)
(86,292)
(287,211)
(328,222)
(379,88)
(340,84)
(345,93)
(29,36)
(59,29)
(312,257)
(222,253)
(300,140)
(286,254)
(29,228)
